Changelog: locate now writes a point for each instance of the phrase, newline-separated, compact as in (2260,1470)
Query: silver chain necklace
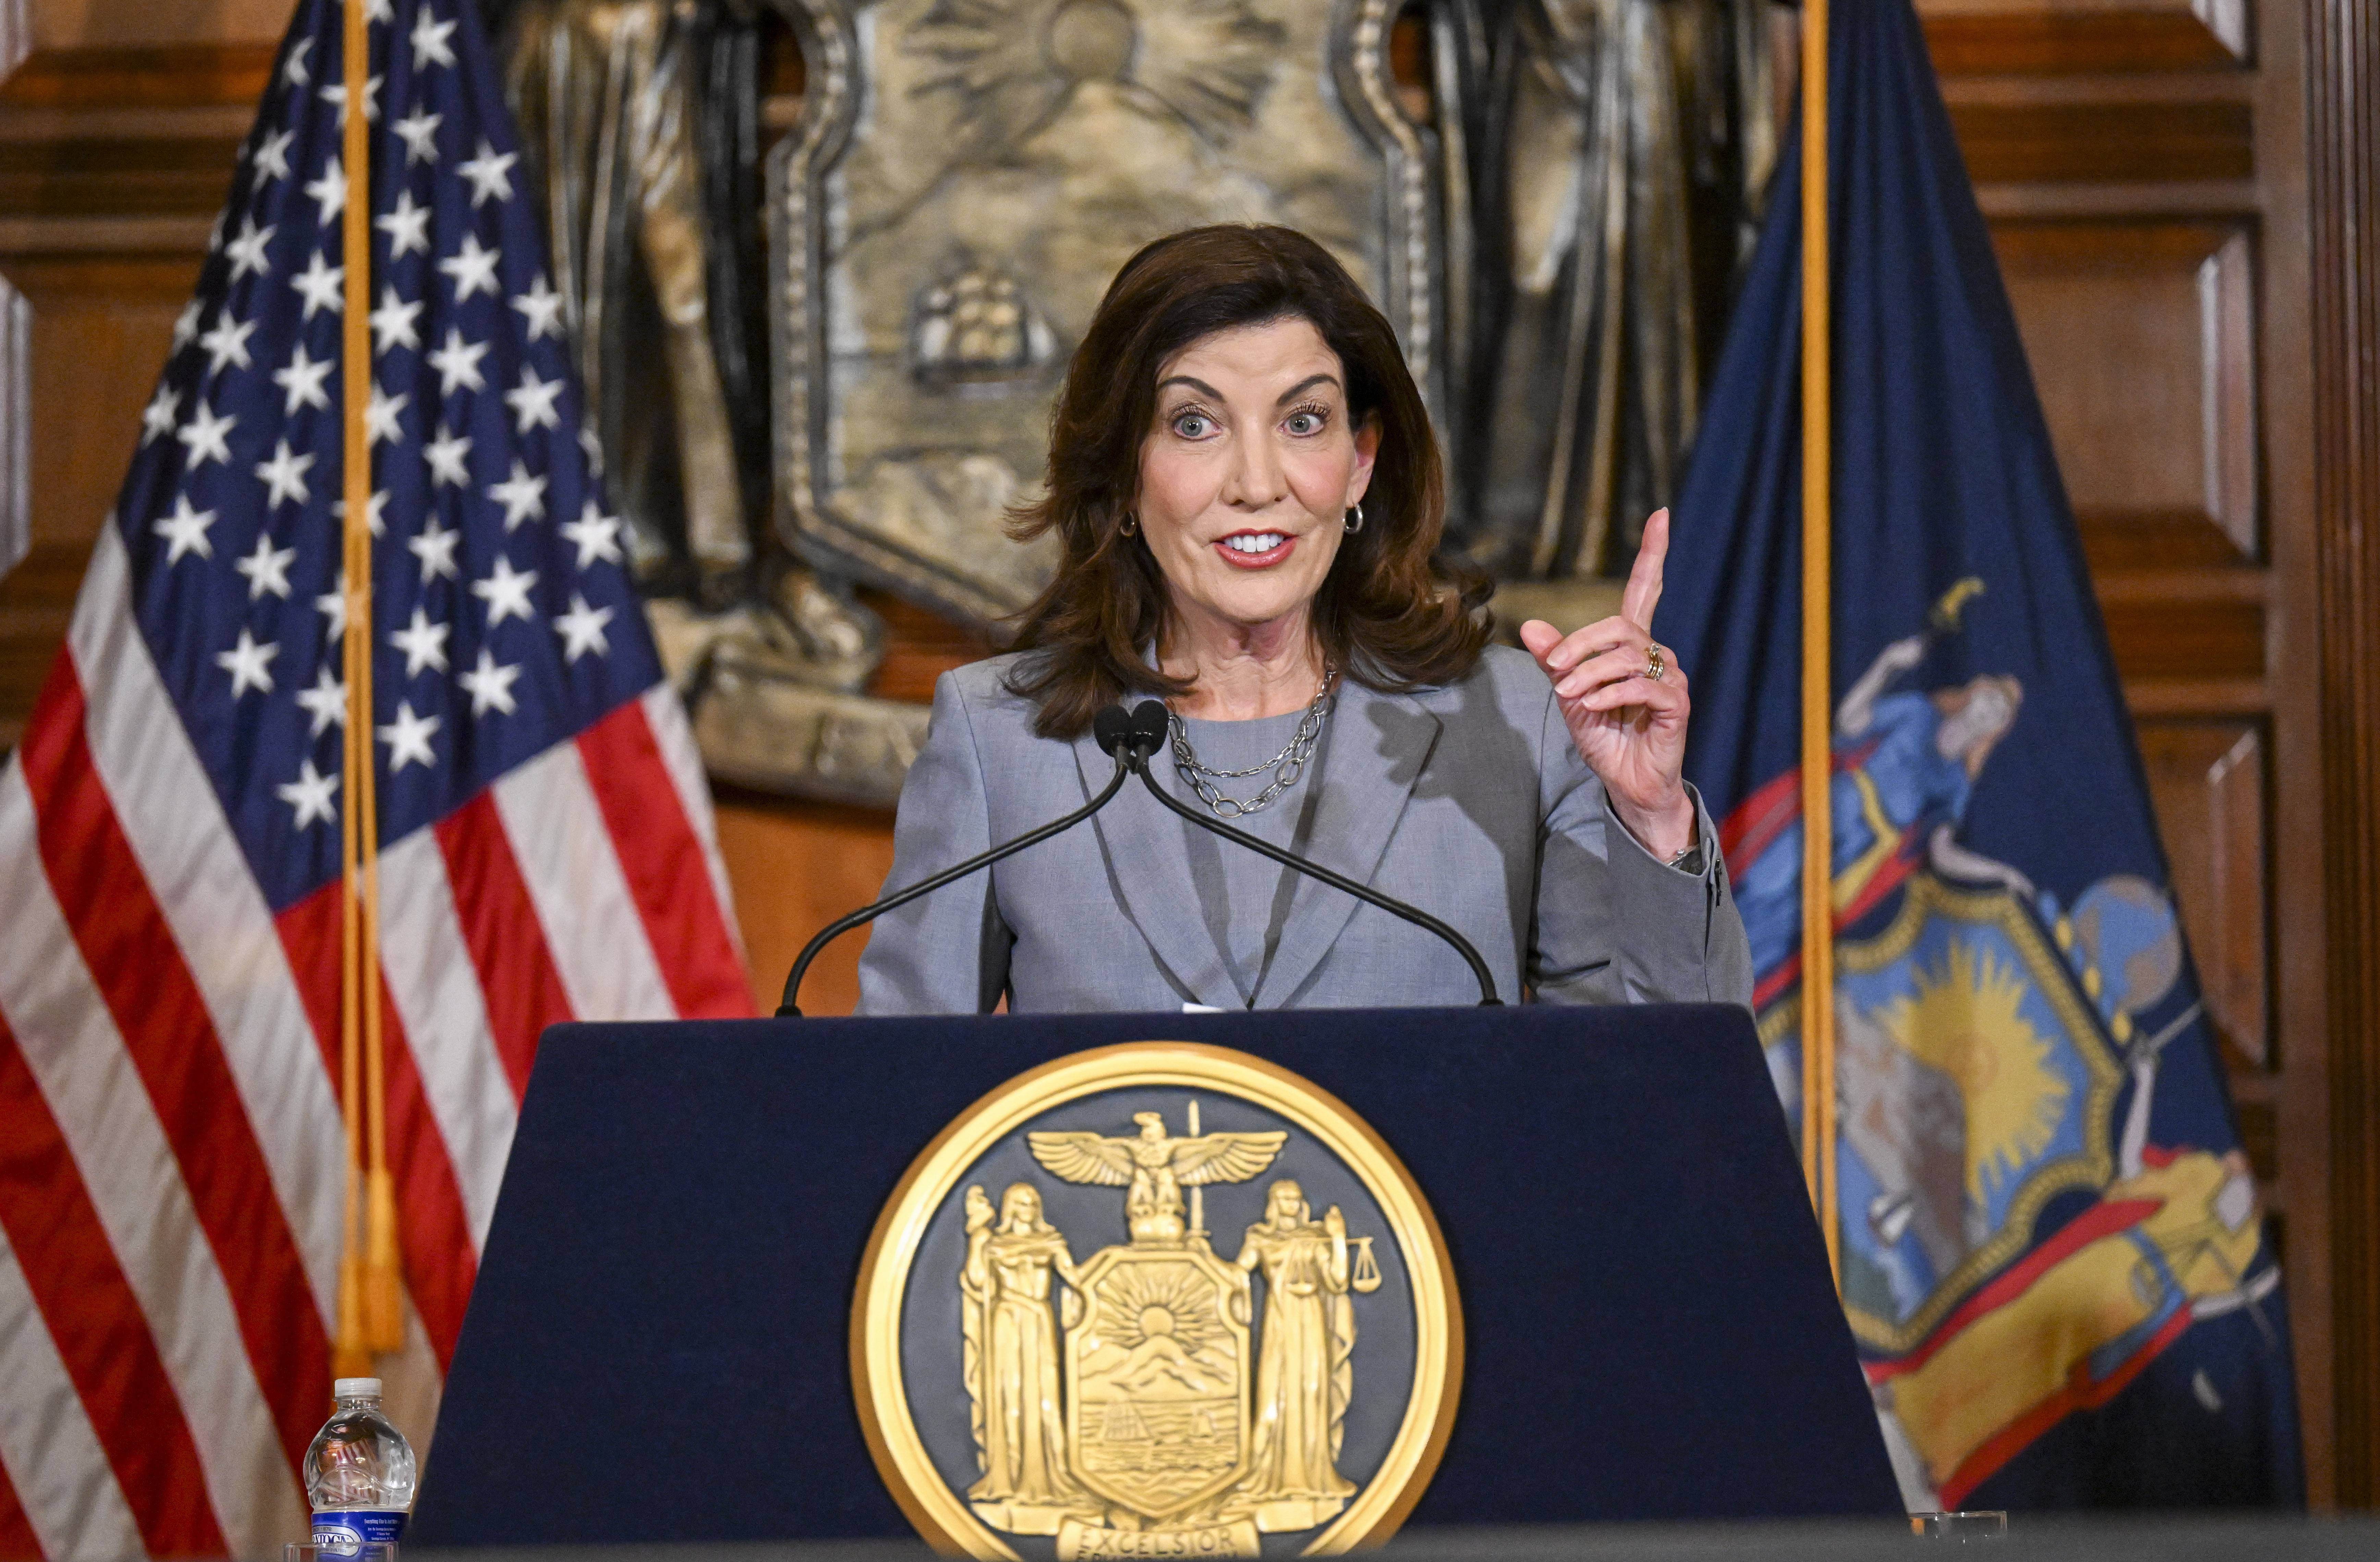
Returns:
(1286,766)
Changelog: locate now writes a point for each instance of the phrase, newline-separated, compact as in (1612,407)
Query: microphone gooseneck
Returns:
(1117,737)
(1150,715)
(1132,738)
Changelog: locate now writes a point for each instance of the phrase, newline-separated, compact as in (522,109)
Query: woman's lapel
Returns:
(1376,751)
(1149,867)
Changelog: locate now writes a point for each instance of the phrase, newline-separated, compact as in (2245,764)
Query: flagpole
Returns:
(1817,1015)
(370,1304)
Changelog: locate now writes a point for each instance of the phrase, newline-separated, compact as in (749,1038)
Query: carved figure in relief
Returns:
(1617,154)
(1304,1368)
(1011,1357)
(640,143)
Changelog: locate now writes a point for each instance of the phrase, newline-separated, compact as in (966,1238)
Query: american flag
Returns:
(171,1150)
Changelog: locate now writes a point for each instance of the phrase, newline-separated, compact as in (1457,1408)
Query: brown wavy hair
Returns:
(1393,614)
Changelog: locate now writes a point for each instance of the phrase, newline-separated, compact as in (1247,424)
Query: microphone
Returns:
(1130,736)
(1150,716)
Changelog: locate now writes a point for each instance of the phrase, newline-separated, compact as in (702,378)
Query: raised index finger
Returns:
(1644,592)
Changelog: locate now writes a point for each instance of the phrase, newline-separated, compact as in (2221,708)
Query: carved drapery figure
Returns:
(1614,152)
(630,111)
(641,134)
(1012,1362)
(1304,1368)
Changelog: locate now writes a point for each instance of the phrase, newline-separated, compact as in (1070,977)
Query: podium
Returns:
(657,1348)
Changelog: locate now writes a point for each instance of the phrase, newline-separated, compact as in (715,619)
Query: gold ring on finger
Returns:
(1657,661)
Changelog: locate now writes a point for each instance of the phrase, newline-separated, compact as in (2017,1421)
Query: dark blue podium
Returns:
(656,1351)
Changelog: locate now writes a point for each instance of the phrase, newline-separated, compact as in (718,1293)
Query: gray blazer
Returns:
(1469,801)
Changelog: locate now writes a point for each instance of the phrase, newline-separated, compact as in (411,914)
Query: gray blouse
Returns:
(1245,898)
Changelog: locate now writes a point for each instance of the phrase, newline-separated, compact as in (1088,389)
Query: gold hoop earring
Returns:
(1130,527)
(1358,524)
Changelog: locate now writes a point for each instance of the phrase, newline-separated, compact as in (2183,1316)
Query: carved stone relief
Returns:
(966,177)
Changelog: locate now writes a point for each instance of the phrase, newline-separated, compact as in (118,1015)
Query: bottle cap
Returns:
(355,1387)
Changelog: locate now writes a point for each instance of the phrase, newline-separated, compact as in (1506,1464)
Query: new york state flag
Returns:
(2053,1257)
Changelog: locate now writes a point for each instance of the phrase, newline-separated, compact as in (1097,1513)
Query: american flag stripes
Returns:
(170,1152)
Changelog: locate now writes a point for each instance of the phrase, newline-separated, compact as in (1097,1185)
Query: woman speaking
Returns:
(1248,499)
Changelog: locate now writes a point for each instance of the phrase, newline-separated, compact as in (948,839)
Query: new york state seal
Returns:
(1102,1317)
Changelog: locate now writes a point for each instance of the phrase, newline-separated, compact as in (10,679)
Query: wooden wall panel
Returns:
(2207,781)
(96,331)
(113,164)
(2104,142)
(90,24)
(2342,178)
(2065,37)
(793,867)
(16,424)
(2143,343)
(97,327)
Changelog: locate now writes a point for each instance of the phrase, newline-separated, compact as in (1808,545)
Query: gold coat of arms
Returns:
(1234,1366)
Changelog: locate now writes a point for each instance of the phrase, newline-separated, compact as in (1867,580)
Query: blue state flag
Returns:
(2053,1257)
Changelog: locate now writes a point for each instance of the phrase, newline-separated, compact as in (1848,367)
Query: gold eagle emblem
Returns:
(1154,1166)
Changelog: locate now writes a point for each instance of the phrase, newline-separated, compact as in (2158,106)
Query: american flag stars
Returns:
(391,324)
(457,363)
(247,253)
(489,174)
(329,190)
(207,435)
(582,628)
(424,643)
(185,531)
(313,794)
(446,455)
(429,41)
(505,591)
(435,547)
(326,702)
(532,401)
(542,307)
(302,378)
(285,476)
(323,286)
(490,687)
(419,131)
(159,416)
(408,227)
(272,157)
(495,634)
(596,535)
(522,495)
(250,665)
(227,343)
(473,268)
(267,569)
(408,738)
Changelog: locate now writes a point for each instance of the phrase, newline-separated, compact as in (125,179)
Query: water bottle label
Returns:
(345,1533)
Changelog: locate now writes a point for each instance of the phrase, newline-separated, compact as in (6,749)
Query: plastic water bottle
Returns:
(359,1473)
